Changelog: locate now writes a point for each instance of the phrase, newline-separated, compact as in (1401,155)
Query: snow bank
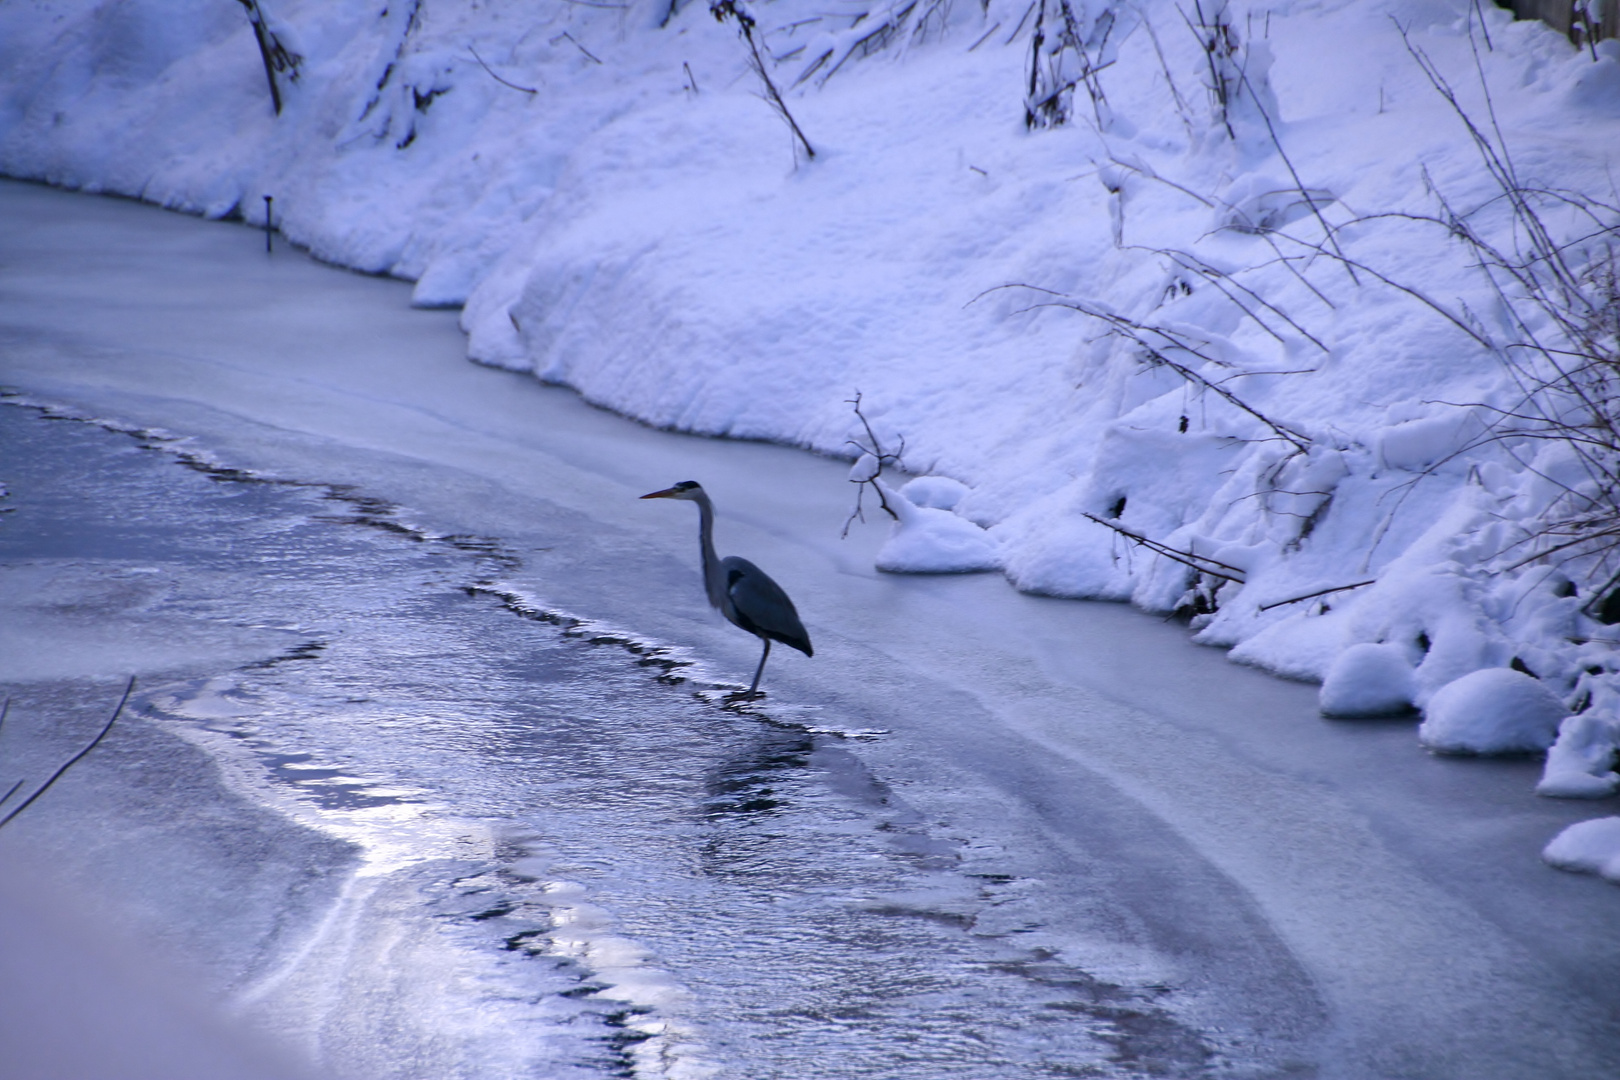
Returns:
(1368,680)
(1592,847)
(1207,348)
(927,539)
(1495,711)
(1579,764)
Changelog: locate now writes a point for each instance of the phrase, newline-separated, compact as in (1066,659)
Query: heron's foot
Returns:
(743,697)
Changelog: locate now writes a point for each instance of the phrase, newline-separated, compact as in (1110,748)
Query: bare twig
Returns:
(1144,170)
(900,20)
(129,688)
(728,9)
(1202,563)
(1561,297)
(1154,353)
(497,78)
(1170,80)
(276,57)
(1314,595)
(588,54)
(1046,100)
(873,448)
(1215,39)
(1226,282)
(1287,262)
(1299,184)
(985,37)
(1475,14)
(1155,340)
(1022,19)
(1417,294)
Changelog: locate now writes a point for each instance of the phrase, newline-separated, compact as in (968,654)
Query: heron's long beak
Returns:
(667,493)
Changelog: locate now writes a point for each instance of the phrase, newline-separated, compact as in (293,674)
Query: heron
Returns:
(744,593)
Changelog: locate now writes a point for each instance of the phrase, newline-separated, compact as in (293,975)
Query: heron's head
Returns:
(686,489)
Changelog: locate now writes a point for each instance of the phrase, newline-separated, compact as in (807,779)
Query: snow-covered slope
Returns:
(1232,306)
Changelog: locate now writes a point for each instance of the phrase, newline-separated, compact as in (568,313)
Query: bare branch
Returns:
(728,9)
(588,54)
(1202,563)
(1224,281)
(497,78)
(276,57)
(1314,595)
(129,688)
(1141,333)
(874,448)
(1143,170)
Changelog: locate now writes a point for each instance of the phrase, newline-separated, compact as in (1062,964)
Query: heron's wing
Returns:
(760,606)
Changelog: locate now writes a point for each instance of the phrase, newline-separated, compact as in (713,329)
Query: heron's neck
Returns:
(713,582)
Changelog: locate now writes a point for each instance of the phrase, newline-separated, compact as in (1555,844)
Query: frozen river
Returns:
(428,770)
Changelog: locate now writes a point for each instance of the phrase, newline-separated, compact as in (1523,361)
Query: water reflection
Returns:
(746,784)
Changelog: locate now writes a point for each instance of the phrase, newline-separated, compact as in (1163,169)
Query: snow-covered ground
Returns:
(1241,325)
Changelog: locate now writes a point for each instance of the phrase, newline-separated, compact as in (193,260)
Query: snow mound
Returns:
(1368,680)
(1494,711)
(1579,765)
(1415,444)
(938,492)
(1260,204)
(927,540)
(1591,847)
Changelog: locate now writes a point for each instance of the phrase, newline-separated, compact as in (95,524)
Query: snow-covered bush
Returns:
(1072,42)
(1550,259)
(926,537)
(860,31)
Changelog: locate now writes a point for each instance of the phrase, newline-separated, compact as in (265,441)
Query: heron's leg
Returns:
(761,669)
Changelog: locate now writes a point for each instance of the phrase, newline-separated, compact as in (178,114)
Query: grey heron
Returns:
(744,593)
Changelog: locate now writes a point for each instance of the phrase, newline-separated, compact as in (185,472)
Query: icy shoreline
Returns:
(620,213)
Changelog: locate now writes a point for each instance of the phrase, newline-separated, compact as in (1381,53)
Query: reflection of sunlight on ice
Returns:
(213,700)
(397,830)
(379,938)
(586,933)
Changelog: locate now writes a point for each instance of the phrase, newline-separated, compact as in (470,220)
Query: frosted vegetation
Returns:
(1298,319)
